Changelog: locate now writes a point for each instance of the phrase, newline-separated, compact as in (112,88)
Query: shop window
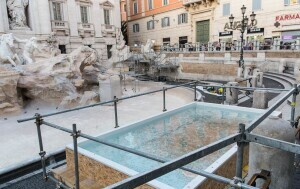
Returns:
(136,28)
(165,22)
(226,9)
(183,40)
(256,5)
(150,25)
(291,2)
(183,18)
(135,8)
(166,41)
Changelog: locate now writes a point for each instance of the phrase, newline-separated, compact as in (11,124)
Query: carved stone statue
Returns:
(16,11)
(120,51)
(30,46)
(7,50)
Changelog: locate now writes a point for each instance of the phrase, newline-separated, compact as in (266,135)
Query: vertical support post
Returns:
(116,111)
(240,154)
(164,99)
(195,91)
(293,105)
(38,122)
(223,95)
(75,136)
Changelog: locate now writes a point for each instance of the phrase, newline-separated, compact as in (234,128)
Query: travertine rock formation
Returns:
(57,79)
(10,100)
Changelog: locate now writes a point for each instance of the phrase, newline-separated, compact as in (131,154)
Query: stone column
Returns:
(276,44)
(223,46)
(252,81)
(247,72)
(298,43)
(73,16)
(210,47)
(44,23)
(109,88)
(232,94)
(3,14)
(260,100)
(256,45)
(259,76)
(281,65)
(238,45)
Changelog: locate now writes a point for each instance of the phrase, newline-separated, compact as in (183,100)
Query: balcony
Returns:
(60,27)
(86,29)
(196,3)
(108,30)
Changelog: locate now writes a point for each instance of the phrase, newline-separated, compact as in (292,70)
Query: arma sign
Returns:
(285,17)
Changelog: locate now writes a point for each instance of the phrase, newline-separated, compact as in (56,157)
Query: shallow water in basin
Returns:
(170,136)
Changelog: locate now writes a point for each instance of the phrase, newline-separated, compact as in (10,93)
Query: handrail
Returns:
(146,93)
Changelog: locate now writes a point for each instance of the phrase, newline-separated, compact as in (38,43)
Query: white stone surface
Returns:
(19,141)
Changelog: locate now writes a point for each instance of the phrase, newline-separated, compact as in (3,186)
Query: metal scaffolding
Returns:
(242,138)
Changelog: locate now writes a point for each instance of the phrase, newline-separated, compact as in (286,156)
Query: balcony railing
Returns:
(108,29)
(58,25)
(84,28)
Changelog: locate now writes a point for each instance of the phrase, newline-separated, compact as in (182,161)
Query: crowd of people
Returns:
(230,46)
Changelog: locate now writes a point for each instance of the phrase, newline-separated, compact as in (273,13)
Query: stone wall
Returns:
(210,68)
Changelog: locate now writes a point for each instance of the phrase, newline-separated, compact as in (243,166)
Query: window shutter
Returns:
(186,18)
(179,19)
(162,22)
(168,19)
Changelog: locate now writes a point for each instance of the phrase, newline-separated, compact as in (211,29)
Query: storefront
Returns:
(255,34)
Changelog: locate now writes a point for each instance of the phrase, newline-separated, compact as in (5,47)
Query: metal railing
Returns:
(241,138)
(206,47)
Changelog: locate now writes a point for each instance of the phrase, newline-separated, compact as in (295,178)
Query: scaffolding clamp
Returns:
(236,182)
(76,134)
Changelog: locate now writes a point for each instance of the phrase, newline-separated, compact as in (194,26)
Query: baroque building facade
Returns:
(190,21)
(274,19)
(92,23)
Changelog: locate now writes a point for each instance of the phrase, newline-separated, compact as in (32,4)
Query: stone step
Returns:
(67,176)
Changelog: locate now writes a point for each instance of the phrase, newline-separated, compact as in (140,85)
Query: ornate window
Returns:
(106,16)
(107,12)
(84,14)
(57,11)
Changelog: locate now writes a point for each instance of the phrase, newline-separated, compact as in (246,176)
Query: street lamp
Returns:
(244,26)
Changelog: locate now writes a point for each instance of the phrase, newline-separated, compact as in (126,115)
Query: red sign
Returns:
(284,17)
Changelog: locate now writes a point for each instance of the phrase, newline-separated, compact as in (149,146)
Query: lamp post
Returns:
(244,26)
